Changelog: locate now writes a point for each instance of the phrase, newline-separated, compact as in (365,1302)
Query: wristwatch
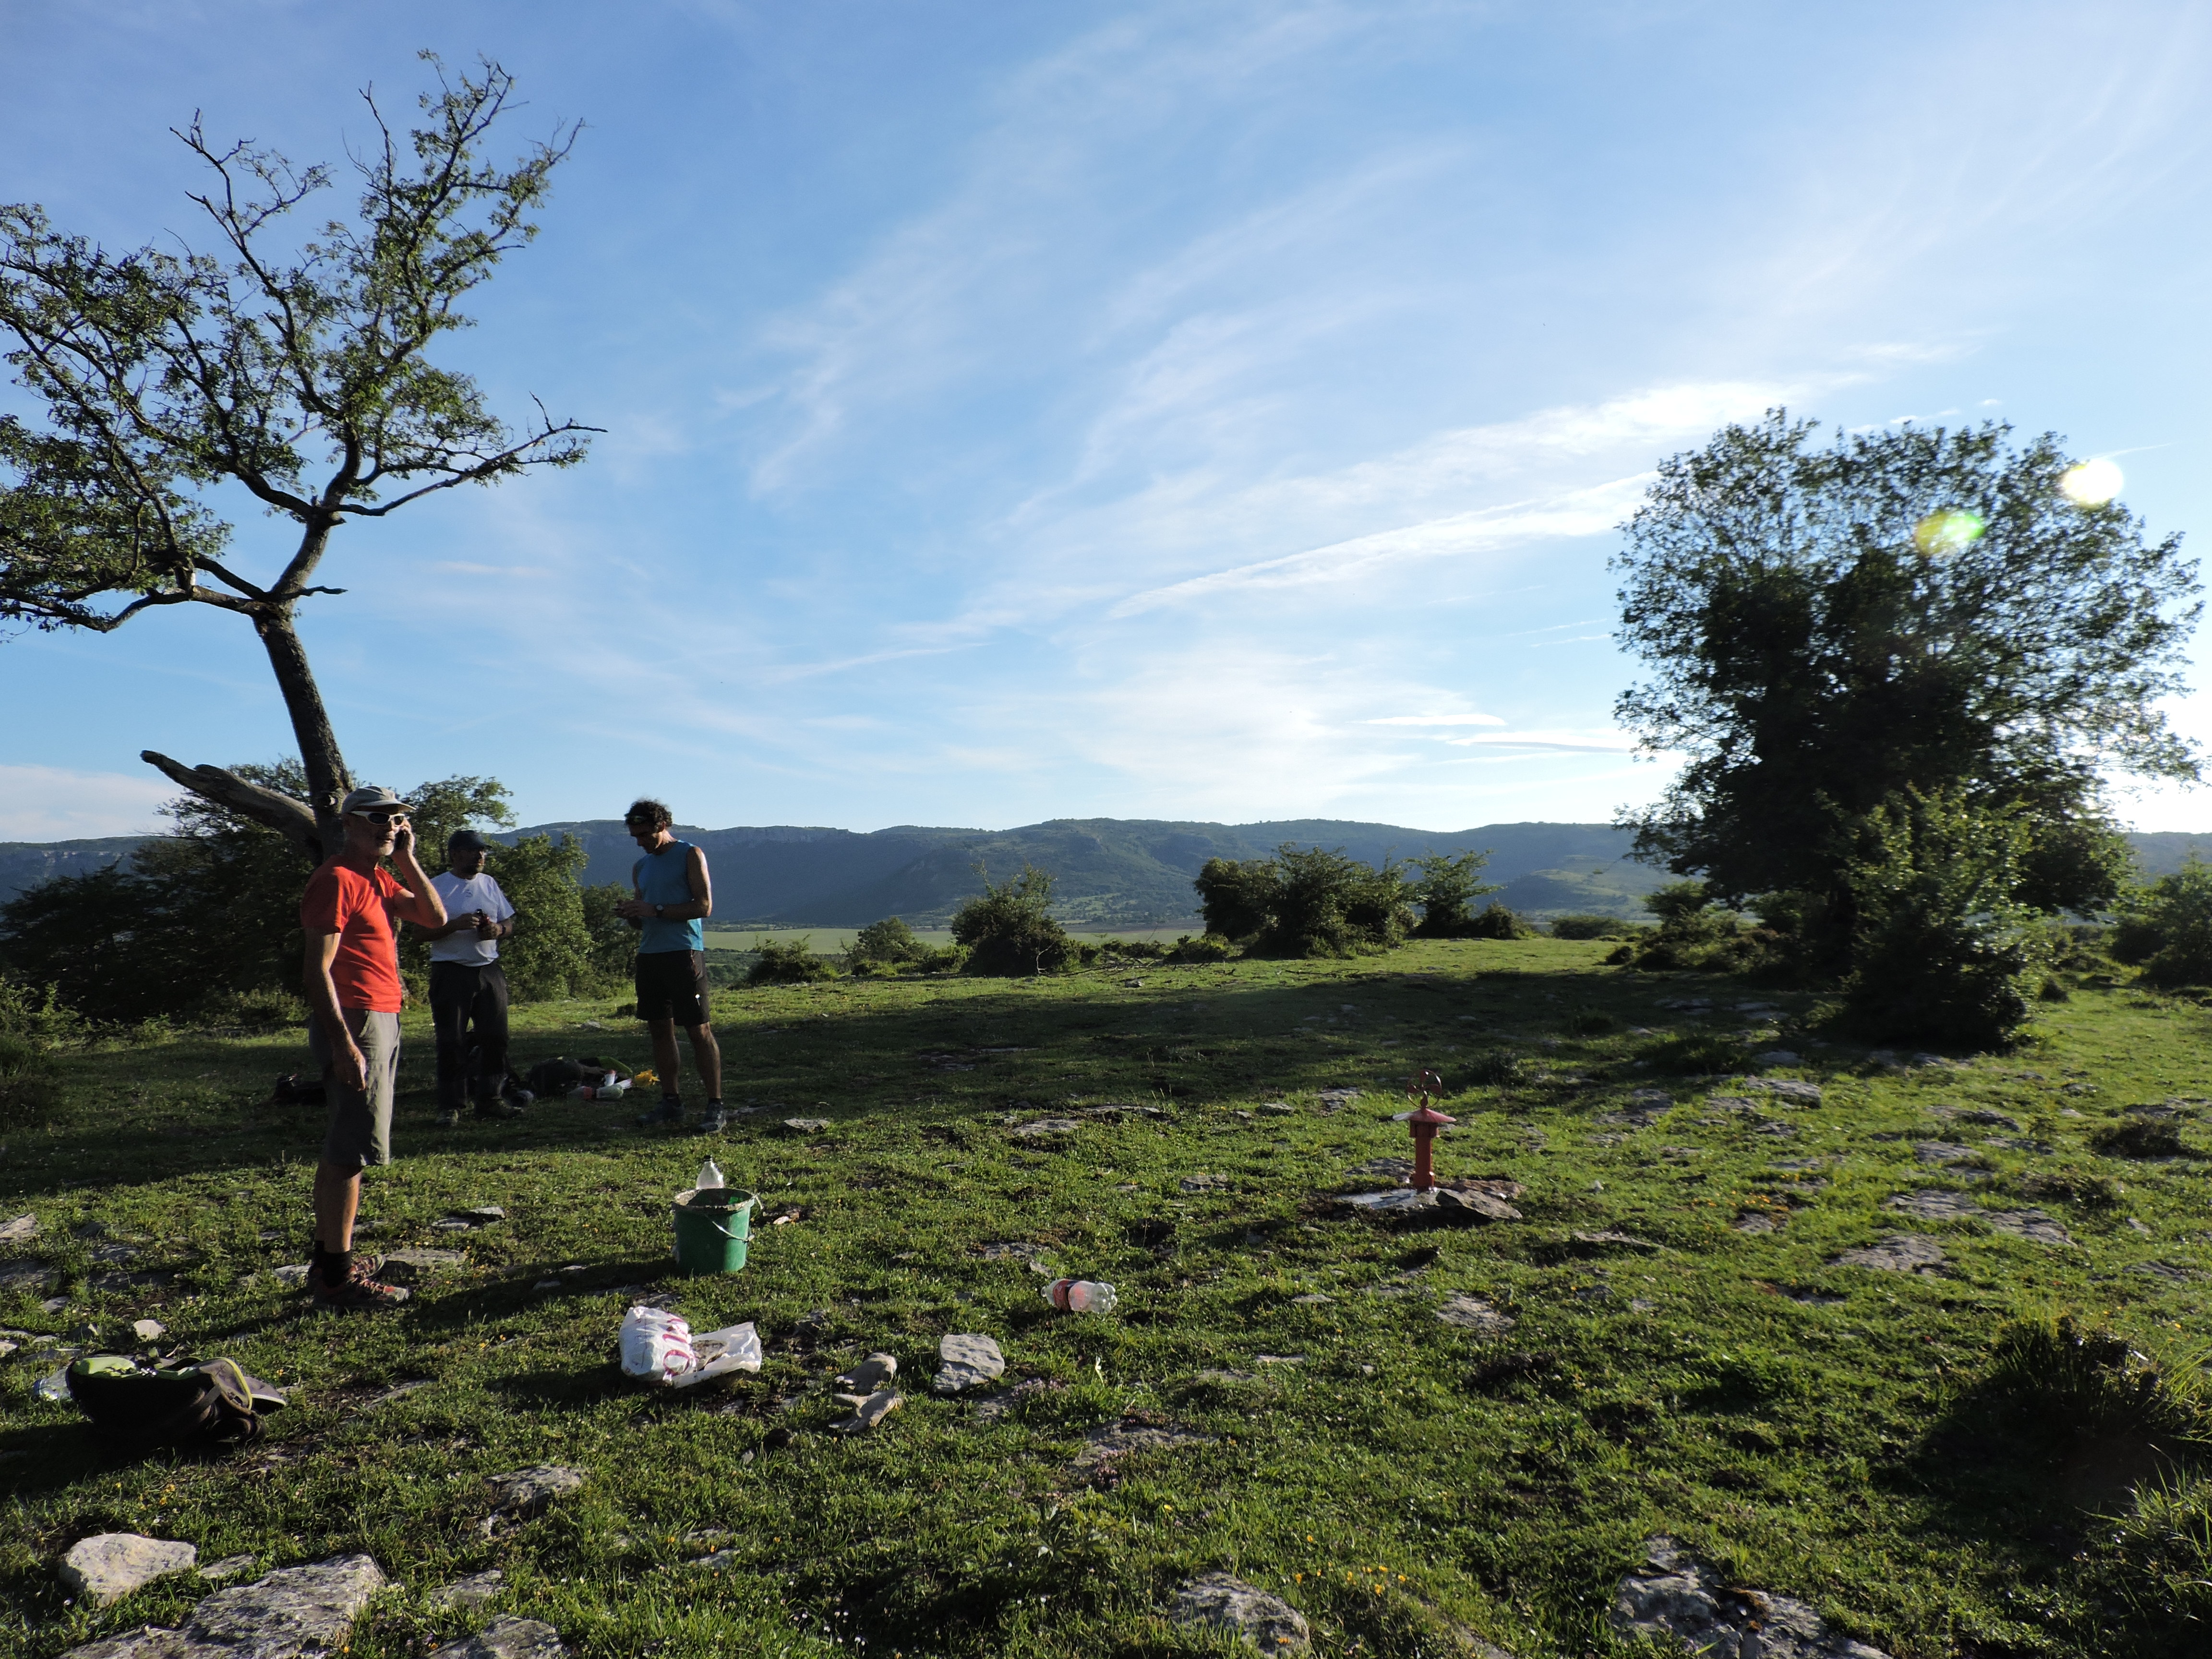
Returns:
(656,910)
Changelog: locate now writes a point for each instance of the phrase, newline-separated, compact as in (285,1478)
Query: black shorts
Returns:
(672,985)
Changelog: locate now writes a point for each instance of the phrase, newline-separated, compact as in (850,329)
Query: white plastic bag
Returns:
(733,1348)
(656,1345)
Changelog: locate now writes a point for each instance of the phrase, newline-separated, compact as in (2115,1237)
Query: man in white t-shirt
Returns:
(467,988)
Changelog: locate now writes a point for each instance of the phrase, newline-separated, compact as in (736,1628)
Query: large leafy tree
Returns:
(297,367)
(1837,630)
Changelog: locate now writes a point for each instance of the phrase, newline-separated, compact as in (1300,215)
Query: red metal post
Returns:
(1422,1121)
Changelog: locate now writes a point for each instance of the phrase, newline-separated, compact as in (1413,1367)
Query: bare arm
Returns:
(418,901)
(323,1000)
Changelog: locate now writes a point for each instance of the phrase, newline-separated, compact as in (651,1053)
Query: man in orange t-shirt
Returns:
(351,975)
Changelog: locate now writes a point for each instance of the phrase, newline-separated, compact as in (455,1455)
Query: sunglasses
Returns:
(380,815)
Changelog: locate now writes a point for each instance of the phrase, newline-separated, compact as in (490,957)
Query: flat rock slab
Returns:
(1397,1201)
(1472,1313)
(1677,1599)
(1933,1204)
(291,1614)
(1899,1252)
(1046,1128)
(2036,1225)
(528,1492)
(965,1360)
(470,1593)
(231,1566)
(1941,1151)
(1474,1200)
(1758,1221)
(1012,1252)
(25,1274)
(1109,1442)
(507,1639)
(1218,1601)
(19,1231)
(806,1126)
(1609,1240)
(109,1565)
(872,1373)
(1995,1119)
(407,1266)
(1787,1088)
(867,1412)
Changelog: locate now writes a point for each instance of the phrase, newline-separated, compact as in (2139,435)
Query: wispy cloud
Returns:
(47,803)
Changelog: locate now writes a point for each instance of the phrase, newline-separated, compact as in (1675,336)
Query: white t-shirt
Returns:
(478,892)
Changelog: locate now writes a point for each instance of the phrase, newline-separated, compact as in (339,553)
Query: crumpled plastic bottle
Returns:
(1080,1296)
(709,1178)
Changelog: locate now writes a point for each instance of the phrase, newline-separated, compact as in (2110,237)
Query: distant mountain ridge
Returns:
(1109,872)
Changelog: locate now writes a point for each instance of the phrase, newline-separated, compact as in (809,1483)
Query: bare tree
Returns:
(298,368)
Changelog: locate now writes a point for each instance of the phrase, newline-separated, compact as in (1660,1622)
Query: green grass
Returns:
(1809,1427)
(829,941)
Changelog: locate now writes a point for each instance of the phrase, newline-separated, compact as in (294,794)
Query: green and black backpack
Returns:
(181,1402)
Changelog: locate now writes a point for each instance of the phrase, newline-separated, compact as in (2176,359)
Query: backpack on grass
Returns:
(181,1403)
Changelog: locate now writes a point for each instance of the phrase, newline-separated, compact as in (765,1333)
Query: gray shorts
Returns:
(361,1124)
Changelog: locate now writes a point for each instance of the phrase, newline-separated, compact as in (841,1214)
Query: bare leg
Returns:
(337,1199)
(664,1058)
(707,1054)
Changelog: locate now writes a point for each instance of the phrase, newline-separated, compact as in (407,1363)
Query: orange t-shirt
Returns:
(349,901)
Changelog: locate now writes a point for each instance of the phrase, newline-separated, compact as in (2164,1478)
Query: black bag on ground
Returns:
(182,1403)
(292,1090)
(553,1076)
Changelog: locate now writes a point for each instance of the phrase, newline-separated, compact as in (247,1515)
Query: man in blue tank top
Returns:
(673,899)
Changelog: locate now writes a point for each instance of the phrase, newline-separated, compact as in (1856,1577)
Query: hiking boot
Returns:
(362,1292)
(670,1111)
(497,1108)
(716,1120)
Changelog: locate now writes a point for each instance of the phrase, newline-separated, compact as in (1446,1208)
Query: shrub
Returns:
(2166,927)
(1586,1021)
(1009,929)
(2138,1136)
(1591,926)
(1136,950)
(1208,947)
(945,959)
(27,1102)
(787,962)
(1496,921)
(1495,1068)
(886,944)
(1305,902)
(2150,1578)
(1700,1052)
(2054,1379)
(1446,891)
(37,1016)
(1939,948)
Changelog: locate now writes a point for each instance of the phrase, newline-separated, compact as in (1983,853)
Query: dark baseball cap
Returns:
(466,841)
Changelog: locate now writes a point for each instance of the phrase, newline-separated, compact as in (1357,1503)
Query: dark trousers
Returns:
(463,997)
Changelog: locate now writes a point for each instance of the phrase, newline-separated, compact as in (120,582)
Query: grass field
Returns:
(829,941)
(1709,1370)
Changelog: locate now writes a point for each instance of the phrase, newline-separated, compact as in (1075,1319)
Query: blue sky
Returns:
(1203,410)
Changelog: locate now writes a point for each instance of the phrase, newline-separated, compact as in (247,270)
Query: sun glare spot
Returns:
(2090,483)
(1946,530)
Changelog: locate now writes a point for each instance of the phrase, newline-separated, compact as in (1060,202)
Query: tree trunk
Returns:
(314,824)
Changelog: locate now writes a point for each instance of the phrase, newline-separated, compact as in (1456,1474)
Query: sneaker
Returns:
(497,1108)
(716,1120)
(671,1110)
(362,1292)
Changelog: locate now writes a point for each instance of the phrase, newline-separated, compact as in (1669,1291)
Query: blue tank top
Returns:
(660,881)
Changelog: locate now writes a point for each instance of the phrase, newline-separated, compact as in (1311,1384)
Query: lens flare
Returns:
(2090,483)
(1948,529)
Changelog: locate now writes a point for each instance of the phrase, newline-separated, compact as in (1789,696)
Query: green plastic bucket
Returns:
(712,1231)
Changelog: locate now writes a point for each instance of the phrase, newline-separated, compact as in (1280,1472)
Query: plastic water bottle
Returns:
(1080,1296)
(710,1177)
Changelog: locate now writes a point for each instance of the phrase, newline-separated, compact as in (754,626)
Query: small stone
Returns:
(1778,1057)
(966,1359)
(21,1230)
(1397,1201)
(470,1593)
(1316,1300)
(1202,1183)
(1280,1108)
(806,1126)
(1474,1201)
(872,1373)
(528,1492)
(1472,1313)
(1218,1601)
(1757,1221)
(1995,1119)
(109,1565)
(1110,1441)
(2032,1224)
(547,1285)
(148,1330)
(869,1412)
(1609,1239)
(231,1566)
(483,1215)
(1897,1253)
(1279,1360)
(2136,1223)
(1046,1128)
(293,1274)
(507,1639)
(410,1267)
